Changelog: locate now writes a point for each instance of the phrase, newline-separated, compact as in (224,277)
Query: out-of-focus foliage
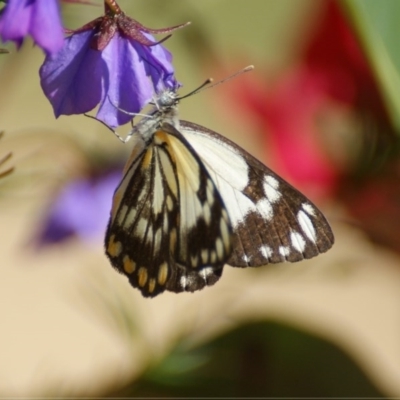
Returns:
(259,359)
(377,24)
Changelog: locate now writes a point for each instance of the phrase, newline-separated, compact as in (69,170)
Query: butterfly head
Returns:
(166,98)
(165,107)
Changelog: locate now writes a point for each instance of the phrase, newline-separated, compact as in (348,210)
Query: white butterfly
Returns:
(191,201)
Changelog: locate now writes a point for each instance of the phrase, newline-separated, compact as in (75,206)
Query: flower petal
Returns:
(130,88)
(72,78)
(81,209)
(39,18)
(123,76)
(15,20)
(138,71)
(158,65)
(46,26)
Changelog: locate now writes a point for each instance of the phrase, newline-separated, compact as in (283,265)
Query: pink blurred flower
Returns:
(292,110)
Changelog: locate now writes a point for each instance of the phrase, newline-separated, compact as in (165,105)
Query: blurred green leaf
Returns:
(257,359)
(377,24)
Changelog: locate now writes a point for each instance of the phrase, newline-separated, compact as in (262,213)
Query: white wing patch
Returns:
(266,251)
(284,251)
(297,241)
(264,207)
(230,166)
(308,208)
(306,225)
(271,189)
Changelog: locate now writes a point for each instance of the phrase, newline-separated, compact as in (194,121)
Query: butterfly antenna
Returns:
(208,84)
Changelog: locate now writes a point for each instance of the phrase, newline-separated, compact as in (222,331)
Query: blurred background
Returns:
(321,108)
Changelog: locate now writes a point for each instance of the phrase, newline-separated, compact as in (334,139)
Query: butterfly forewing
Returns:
(169,228)
(272,222)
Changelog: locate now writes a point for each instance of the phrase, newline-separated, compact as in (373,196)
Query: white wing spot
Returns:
(150,234)
(204,256)
(225,234)
(122,214)
(158,192)
(225,215)
(141,227)
(207,213)
(298,241)
(194,260)
(308,208)
(210,192)
(206,272)
(245,258)
(266,251)
(183,281)
(284,251)
(271,181)
(165,223)
(265,208)
(130,219)
(271,189)
(170,203)
(219,248)
(157,239)
(306,225)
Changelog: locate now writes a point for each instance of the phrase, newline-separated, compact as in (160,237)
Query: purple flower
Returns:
(81,209)
(38,18)
(112,62)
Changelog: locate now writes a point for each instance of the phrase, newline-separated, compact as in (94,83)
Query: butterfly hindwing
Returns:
(272,222)
(169,229)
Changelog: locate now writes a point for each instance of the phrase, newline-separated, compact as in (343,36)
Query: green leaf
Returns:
(377,25)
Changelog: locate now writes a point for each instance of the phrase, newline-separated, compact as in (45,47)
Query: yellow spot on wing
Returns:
(204,256)
(152,285)
(163,137)
(219,248)
(114,248)
(163,273)
(116,202)
(142,276)
(226,239)
(194,261)
(147,157)
(129,265)
(213,257)
(170,203)
(172,240)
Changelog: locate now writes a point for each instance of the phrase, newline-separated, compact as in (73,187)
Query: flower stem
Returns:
(111,5)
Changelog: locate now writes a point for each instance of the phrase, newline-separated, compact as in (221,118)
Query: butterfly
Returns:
(191,201)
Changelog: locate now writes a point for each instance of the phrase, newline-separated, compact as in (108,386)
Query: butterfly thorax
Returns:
(164,112)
